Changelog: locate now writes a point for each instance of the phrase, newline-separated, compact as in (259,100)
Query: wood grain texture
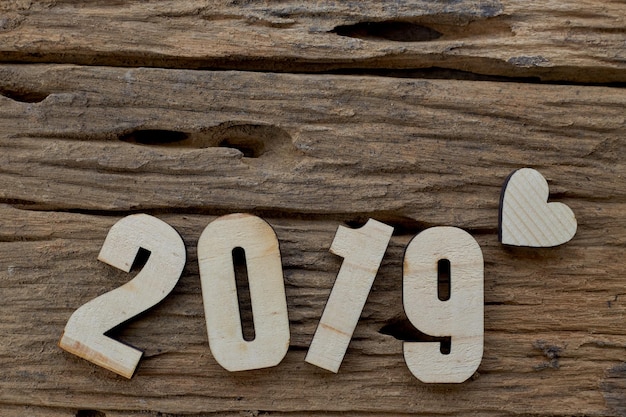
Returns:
(526,216)
(408,152)
(89,145)
(569,40)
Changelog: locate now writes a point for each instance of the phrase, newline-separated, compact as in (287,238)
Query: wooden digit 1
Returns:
(267,292)
(84,332)
(363,250)
(460,317)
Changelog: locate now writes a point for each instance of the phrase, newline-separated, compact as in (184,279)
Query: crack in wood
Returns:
(90,413)
(398,31)
(403,226)
(23,95)
(251,139)
(402,329)
(474,69)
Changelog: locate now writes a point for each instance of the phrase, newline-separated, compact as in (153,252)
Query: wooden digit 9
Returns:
(84,332)
(460,317)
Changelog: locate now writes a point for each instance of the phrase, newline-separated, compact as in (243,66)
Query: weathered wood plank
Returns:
(409,152)
(308,153)
(542,355)
(554,40)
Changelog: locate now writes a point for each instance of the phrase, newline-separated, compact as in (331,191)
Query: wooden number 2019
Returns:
(459,317)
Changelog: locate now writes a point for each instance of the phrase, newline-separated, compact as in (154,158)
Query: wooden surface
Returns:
(88,136)
(581,40)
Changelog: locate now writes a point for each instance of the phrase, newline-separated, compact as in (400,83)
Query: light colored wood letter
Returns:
(363,250)
(267,292)
(84,332)
(460,317)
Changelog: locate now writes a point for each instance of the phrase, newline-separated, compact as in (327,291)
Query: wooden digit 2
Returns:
(84,332)
(267,292)
(460,317)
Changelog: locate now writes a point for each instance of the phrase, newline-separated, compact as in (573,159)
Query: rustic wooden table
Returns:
(312,114)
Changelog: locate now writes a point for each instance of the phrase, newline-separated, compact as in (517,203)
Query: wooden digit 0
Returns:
(84,332)
(267,292)
(460,317)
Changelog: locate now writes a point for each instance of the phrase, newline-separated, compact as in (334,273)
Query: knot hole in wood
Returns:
(251,139)
(390,30)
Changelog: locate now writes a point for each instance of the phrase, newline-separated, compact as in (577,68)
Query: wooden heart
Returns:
(526,217)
